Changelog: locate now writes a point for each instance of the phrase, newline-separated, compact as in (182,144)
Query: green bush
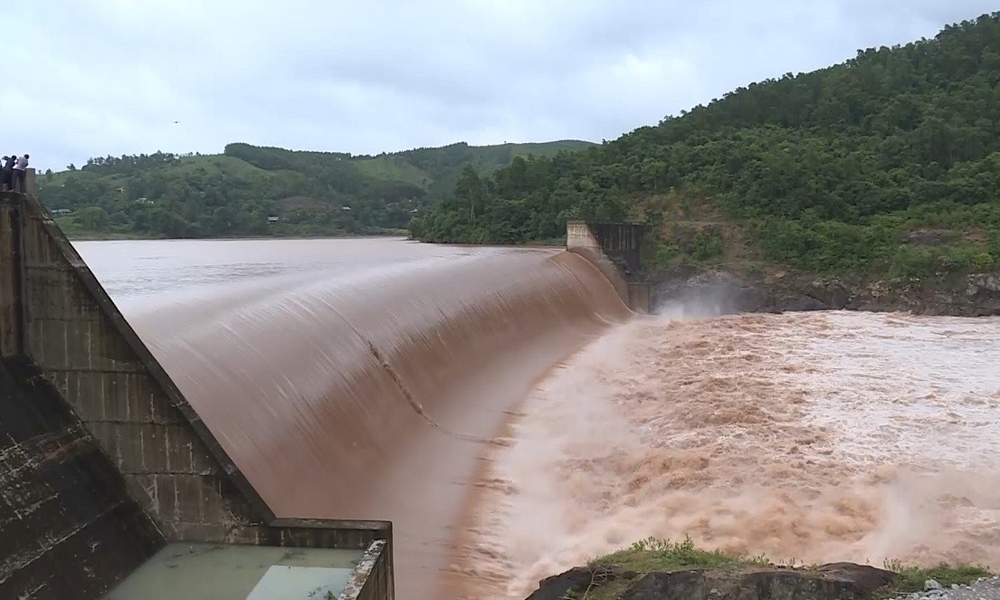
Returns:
(982,262)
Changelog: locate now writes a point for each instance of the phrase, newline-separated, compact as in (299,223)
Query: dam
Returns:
(317,414)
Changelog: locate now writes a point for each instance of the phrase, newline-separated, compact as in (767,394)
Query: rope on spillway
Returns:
(414,403)
(410,399)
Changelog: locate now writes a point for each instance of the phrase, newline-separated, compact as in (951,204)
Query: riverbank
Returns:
(728,291)
(110,236)
(660,570)
(91,236)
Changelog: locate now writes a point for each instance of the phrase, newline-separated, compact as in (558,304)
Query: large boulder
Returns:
(842,581)
(711,293)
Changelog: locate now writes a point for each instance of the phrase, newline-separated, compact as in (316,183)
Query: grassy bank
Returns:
(653,555)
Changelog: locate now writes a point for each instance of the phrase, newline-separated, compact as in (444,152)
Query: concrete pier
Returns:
(614,248)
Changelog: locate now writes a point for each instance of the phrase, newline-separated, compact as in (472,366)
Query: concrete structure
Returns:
(621,242)
(68,527)
(615,249)
(101,457)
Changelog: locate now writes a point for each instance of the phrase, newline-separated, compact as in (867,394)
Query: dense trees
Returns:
(237,192)
(828,171)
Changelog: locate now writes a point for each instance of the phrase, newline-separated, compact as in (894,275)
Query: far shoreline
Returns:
(375,236)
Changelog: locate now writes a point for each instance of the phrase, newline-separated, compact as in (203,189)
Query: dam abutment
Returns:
(614,248)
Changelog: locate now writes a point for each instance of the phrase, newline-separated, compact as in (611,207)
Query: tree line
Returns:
(827,171)
(253,190)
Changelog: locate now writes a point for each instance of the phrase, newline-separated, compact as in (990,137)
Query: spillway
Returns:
(373,392)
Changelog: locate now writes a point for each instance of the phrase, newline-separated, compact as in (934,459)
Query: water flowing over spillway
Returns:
(513,419)
(373,394)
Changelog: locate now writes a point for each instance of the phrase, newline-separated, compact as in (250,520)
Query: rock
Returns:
(688,291)
(577,580)
(678,585)
(704,294)
(839,581)
(931,585)
(867,577)
(832,293)
(925,237)
(983,284)
(805,303)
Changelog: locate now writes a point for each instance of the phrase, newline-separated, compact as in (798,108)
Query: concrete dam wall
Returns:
(67,521)
(376,395)
(308,412)
(104,460)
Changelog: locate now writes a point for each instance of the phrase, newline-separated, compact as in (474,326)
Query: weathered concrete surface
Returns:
(56,319)
(621,242)
(68,527)
(369,578)
(614,250)
(10,281)
(73,332)
(579,235)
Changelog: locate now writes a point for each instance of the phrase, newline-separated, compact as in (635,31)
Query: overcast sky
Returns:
(99,77)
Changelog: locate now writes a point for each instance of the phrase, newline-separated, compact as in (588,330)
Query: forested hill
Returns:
(888,162)
(235,193)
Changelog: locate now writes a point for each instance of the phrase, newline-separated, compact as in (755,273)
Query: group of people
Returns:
(12,175)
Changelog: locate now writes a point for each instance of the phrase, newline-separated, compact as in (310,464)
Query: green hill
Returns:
(238,192)
(887,163)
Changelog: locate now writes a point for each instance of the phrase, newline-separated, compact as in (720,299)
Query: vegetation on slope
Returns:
(886,163)
(654,555)
(233,194)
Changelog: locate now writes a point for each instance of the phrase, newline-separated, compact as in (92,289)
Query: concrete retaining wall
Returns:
(68,527)
(55,316)
(621,242)
(582,238)
(80,341)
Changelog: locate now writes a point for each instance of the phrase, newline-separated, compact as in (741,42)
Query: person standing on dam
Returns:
(7,173)
(20,171)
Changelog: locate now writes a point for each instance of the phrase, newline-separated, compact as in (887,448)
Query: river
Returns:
(501,409)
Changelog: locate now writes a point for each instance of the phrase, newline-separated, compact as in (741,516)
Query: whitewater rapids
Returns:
(809,437)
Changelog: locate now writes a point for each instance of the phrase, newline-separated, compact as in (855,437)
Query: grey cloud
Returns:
(112,76)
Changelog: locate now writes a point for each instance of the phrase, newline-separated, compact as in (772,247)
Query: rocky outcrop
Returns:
(928,237)
(841,581)
(694,292)
(578,580)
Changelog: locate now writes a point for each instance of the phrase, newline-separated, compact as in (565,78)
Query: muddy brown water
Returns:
(357,379)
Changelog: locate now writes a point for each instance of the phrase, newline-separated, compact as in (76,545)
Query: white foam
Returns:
(817,437)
